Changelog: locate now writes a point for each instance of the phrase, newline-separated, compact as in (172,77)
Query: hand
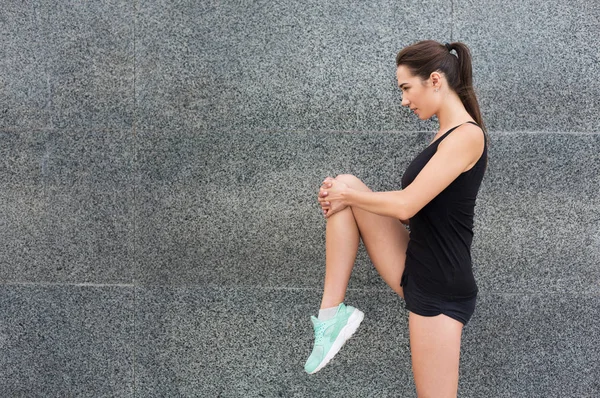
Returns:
(330,196)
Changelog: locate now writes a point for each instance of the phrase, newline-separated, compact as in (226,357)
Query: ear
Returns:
(436,78)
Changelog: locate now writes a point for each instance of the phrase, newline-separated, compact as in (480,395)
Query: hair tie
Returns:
(448,46)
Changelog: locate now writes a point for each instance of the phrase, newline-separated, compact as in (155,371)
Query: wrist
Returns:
(347,197)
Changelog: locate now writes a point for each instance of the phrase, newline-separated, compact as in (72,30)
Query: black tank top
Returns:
(438,257)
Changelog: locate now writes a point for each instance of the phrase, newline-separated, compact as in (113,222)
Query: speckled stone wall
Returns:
(159,163)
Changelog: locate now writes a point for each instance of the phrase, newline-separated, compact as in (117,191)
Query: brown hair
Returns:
(427,56)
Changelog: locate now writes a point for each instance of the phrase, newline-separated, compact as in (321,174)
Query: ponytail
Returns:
(464,88)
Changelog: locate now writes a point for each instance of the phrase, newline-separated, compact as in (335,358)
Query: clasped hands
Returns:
(331,196)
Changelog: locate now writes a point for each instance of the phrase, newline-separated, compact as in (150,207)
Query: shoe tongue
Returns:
(314,320)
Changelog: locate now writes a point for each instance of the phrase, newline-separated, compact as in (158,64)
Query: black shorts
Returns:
(425,304)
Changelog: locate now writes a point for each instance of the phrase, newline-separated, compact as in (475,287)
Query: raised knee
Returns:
(347,178)
(352,181)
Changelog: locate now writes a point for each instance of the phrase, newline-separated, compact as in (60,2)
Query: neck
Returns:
(452,112)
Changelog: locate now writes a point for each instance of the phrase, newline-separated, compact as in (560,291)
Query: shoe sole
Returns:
(346,332)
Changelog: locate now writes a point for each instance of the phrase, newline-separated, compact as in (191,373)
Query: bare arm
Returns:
(443,168)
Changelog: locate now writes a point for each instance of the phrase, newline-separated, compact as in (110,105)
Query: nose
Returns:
(405,102)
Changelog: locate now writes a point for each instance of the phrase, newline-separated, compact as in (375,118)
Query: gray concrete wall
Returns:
(159,163)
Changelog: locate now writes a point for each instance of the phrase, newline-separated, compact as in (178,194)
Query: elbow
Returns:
(406,210)
(408,204)
(404,213)
(402,207)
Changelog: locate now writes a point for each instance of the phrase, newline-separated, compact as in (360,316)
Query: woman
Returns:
(431,267)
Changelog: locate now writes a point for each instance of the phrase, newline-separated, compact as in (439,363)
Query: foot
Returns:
(331,335)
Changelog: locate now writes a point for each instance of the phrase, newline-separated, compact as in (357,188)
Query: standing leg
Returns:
(435,351)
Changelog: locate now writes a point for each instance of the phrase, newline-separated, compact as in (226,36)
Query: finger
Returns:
(333,211)
(330,212)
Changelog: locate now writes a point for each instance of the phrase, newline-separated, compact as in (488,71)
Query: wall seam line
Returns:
(134,207)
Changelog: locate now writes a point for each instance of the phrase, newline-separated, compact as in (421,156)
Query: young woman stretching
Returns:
(430,268)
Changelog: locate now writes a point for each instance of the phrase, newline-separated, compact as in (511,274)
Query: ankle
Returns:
(330,301)
(326,314)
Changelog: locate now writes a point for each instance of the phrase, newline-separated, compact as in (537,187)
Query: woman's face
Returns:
(416,94)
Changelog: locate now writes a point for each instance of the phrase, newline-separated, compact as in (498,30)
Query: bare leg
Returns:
(435,351)
(341,246)
(385,239)
(434,341)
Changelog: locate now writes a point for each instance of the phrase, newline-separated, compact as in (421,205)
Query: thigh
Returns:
(385,239)
(435,352)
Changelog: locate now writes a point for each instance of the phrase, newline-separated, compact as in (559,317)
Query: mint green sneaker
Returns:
(331,335)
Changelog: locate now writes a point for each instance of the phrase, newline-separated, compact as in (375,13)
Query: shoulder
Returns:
(465,138)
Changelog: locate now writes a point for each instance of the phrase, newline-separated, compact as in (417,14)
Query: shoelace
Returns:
(319,332)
